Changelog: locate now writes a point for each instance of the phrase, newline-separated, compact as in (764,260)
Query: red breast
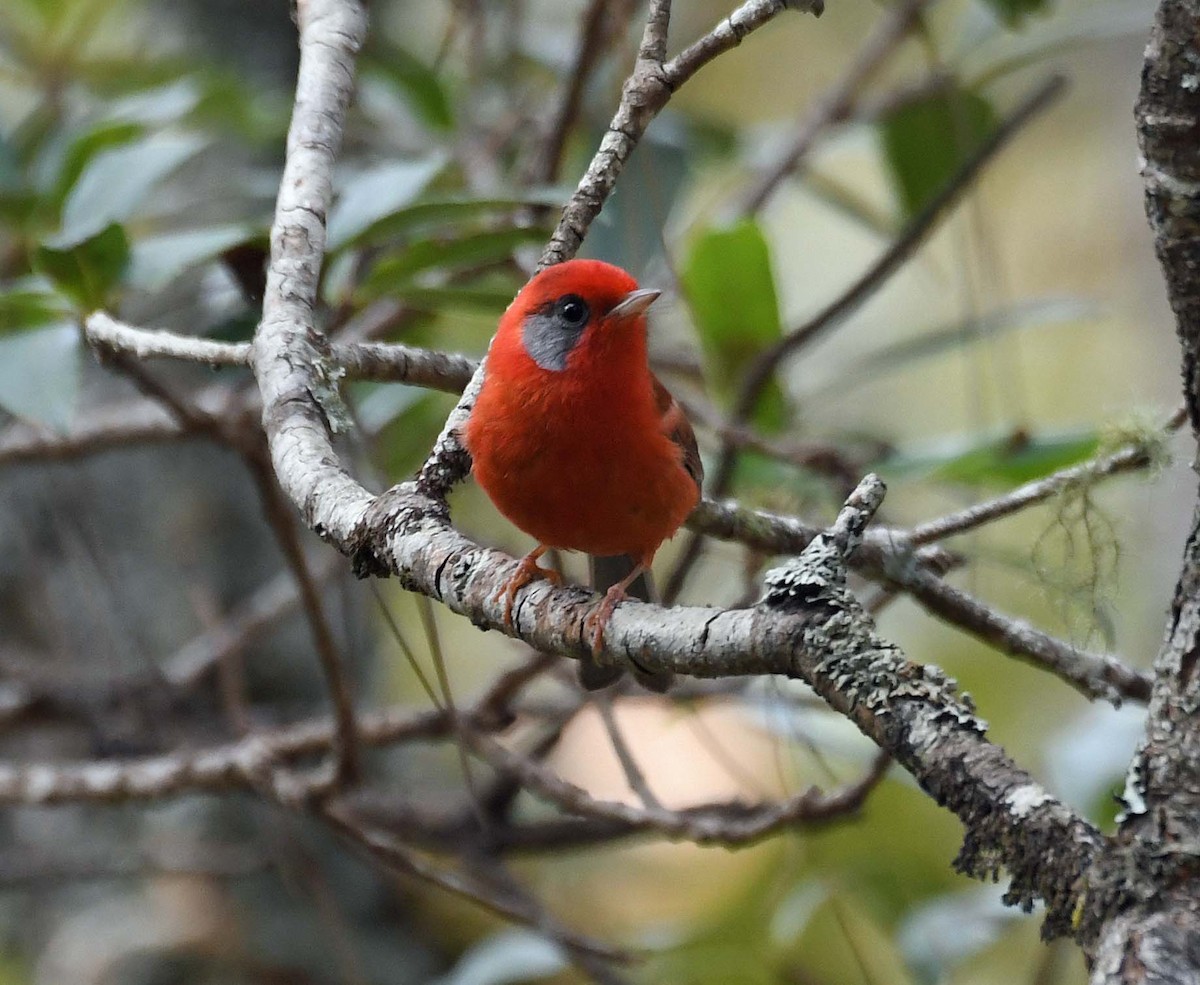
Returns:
(571,436)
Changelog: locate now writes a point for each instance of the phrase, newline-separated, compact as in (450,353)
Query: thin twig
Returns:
(1093,675)
(633,773)
(762,370)
(1044,96)
(1137,455)
(646,92)
(278,512)
(837,102)
(266,606)
(727,822)
(600,25)
(518,907)
(387,362)
(281,518)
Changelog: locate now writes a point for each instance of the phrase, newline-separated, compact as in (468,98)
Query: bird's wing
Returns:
(675,425)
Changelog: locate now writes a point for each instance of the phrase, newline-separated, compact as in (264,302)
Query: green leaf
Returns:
(85,270)
(158,260)
(419,83)
(425,254)
(372,195)
(86,147)
(10,167)
(24,309)
(727,280)
(115,182)
(1000,462)
(926,141)
(39,374)
(159,107)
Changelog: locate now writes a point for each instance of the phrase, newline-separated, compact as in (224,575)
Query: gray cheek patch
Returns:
(548,340)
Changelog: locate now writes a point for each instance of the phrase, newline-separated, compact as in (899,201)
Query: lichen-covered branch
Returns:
(1146,915)
(807,626)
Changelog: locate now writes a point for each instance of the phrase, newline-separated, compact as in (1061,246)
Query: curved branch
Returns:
(290,358)
(807,626)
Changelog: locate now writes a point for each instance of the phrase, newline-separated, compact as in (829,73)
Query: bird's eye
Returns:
(573,310)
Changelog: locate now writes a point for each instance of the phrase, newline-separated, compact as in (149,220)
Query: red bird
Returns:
(573,437)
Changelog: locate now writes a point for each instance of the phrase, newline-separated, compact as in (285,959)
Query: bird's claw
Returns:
(597,620)
(527,571)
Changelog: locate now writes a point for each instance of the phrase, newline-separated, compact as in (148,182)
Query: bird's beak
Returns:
(634,303)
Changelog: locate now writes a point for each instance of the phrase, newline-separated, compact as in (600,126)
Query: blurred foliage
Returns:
(928,139)
(730,289)
(137,173)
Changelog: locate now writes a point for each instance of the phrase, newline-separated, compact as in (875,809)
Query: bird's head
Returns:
(574,307)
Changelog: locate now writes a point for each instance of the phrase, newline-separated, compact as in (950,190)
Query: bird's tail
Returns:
(606,572)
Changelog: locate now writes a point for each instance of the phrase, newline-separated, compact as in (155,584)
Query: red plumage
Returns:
(572,436)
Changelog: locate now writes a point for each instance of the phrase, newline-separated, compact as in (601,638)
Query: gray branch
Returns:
(1145,894)
(807,626)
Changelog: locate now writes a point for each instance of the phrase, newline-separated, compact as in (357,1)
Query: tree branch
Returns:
(645,93)
(903,247)
(385,362)
(1146,915)
(807,626)
(837,102)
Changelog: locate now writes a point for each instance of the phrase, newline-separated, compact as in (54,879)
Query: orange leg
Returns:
(598,619)
(528,570)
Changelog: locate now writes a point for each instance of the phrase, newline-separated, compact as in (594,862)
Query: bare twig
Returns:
(266,606)
(281,518)
(1137,455)
(837,102)
(515,905)
(902,248)
(727,823)
(600,26)
(633,773)
(388,362)
(762,370)
(134,422)
(646,92)
(248,444)
(1093,675)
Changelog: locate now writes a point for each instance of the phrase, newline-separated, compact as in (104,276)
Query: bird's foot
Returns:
(527,570)
(597,620)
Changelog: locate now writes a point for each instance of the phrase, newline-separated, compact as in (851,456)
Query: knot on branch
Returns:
(398,511)
(818,574)
(448,465)
(645,93)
